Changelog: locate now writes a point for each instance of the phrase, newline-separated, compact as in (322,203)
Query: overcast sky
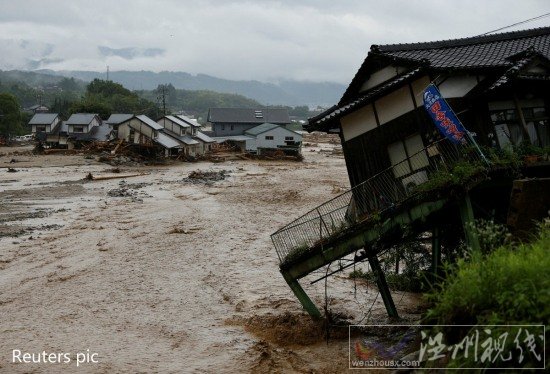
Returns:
(324,40)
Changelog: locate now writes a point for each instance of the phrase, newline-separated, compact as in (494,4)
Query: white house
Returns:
(44,122)
(82,123)
(272,136)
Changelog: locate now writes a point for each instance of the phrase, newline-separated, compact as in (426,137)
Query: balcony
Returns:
(374,198)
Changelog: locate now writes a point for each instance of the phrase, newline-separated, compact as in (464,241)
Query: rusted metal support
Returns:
(383,286)
(302,296)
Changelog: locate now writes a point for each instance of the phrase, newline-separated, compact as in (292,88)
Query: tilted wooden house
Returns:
(144,132)
(499,87)
(178,129)
(205,141)
(497,84)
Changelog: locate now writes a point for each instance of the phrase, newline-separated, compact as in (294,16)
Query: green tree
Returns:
(10,116)
(92,106)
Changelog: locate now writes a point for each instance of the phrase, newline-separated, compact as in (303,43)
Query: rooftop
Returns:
(81,118)
(118,118)
(177,121)
(261,129)
(497,53)
(43,118)
(245,115)
(149,122)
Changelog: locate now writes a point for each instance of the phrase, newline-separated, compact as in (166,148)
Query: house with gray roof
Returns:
(44,122)
(269,136)
(235,121)
(180,131)
(186,130)
(82,123)
(499,84)
(144,132)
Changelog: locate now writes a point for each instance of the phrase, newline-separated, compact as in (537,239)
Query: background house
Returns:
(148,134)
(205,141)
(116,119)
(269,136)
(235,121)
(44,122)
(82,123)
(180,130)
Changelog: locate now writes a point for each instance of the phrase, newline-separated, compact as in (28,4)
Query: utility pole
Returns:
(107,73)
(162,98)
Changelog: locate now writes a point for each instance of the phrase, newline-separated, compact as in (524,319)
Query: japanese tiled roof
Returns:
(475,52)
(505,54)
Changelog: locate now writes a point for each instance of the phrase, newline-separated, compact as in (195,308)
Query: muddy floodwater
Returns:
(158,273)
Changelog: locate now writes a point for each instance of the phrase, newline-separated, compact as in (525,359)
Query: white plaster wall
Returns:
(358,122)
(457,86)
(381,76)
(279,134)
(418,87)
(394,104)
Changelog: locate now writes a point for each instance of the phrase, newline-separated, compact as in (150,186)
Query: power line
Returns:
(516,24)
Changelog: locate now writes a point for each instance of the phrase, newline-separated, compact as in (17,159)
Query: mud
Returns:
(184,281)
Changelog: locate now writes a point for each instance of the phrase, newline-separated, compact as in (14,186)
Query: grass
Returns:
(508,286)
(459,175)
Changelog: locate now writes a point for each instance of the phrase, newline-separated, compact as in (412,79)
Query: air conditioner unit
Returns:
(414,180)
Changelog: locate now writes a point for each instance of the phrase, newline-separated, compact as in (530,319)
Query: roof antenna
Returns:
(516,24)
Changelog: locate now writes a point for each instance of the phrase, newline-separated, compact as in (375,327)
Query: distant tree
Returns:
(69,85)
(10,116)
(90,106)
(107,89)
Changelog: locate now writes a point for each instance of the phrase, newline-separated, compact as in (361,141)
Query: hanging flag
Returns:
(443,116)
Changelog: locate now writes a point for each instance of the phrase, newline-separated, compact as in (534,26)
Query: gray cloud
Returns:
(130,53)
(317,40)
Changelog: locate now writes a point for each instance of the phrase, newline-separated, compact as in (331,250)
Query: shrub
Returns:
(509,285)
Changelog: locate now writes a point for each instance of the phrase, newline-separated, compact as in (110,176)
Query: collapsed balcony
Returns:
(395,198)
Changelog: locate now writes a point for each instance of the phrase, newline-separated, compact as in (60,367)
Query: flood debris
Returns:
(12,170)
(206,176)
(129,190)
(91,177)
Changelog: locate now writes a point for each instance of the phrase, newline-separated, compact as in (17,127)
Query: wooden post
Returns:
(302,296)
(383,286)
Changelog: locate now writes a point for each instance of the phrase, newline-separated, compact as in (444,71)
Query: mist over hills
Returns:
(286,92)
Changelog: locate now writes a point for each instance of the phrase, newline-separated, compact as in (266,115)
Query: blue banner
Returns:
(443,116)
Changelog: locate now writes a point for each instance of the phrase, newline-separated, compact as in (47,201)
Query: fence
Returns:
(382,191)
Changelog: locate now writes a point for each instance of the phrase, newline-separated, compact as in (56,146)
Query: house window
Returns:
(223,127)
(268,137)
(78,129)
(231,127)
(289,138)
(509,129)
(407,155)
(40,128)
(537,122)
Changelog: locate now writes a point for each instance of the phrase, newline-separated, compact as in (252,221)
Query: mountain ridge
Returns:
(286,92)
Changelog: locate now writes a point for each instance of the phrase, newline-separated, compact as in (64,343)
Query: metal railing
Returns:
(377,194)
